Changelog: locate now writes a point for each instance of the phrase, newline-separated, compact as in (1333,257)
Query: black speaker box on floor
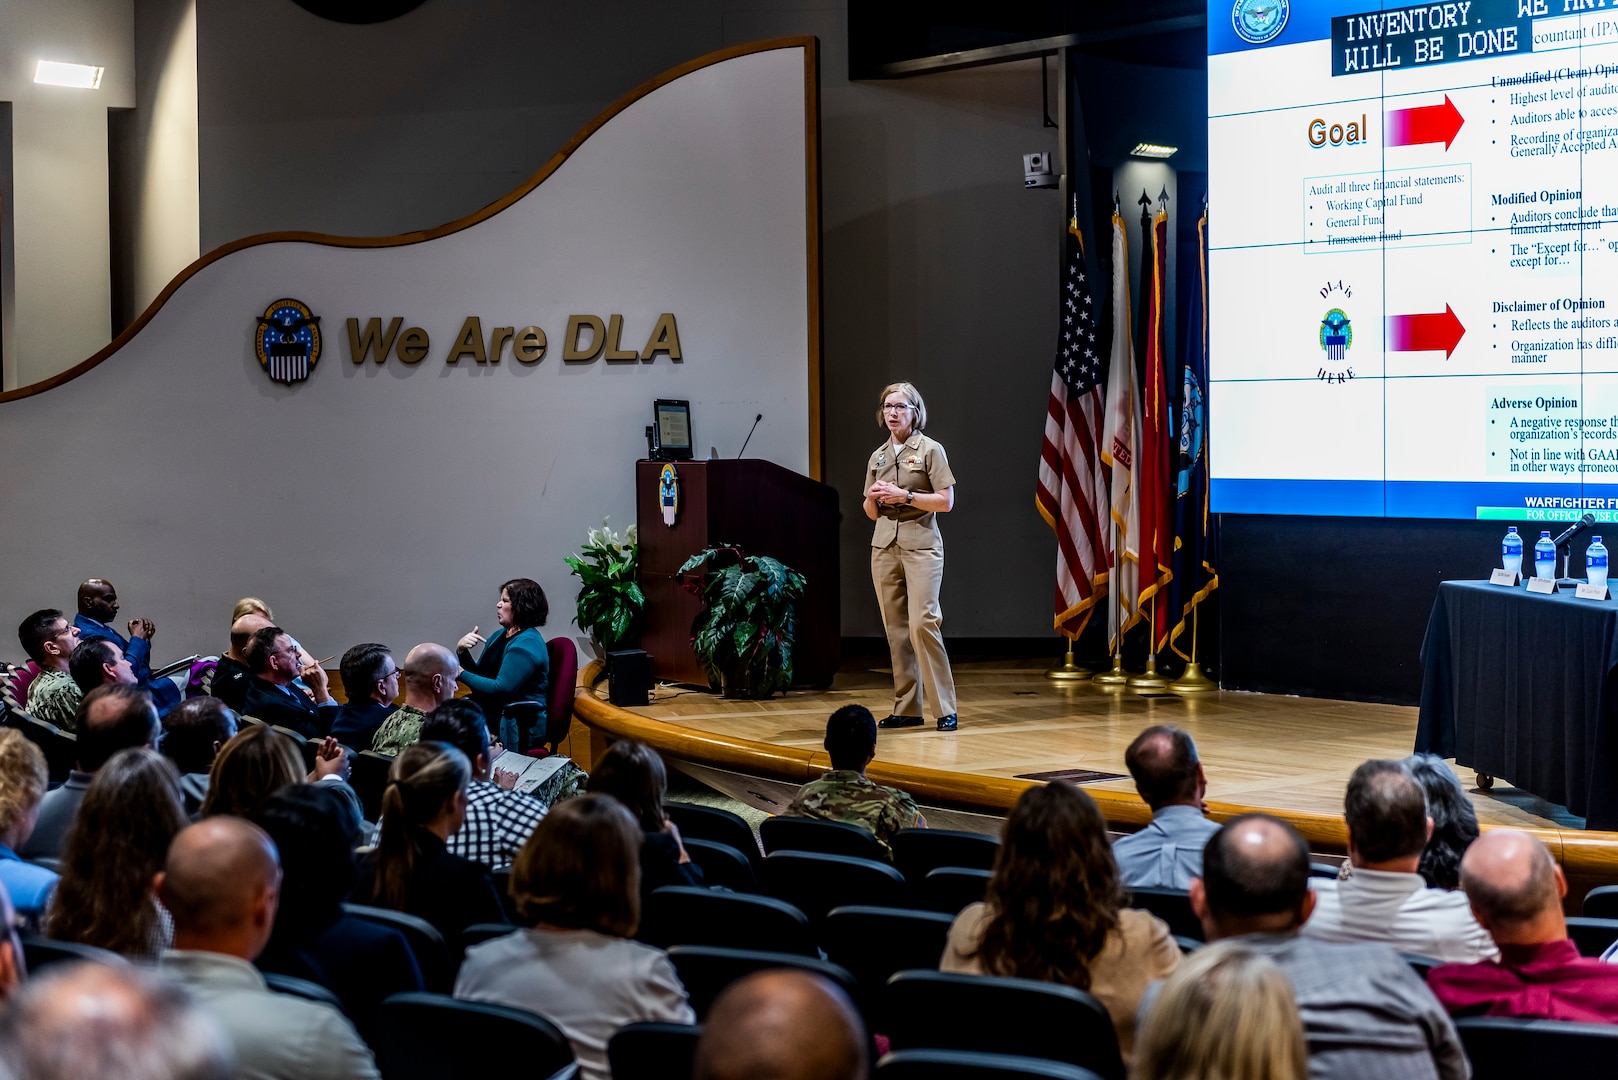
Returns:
(629,677)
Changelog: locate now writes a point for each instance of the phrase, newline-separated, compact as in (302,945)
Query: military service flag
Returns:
(1194,531)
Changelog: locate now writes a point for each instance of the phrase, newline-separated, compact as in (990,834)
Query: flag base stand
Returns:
(1192,681)
(1116,679)
(1067,670)
(1148,681)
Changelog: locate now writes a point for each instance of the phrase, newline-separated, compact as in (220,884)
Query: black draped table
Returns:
(1520,686)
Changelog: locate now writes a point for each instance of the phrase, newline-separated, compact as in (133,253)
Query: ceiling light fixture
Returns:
(1154,150)
(78,76)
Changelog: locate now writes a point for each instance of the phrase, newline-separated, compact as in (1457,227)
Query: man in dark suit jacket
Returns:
(272,656)
(98,604)
(371,681)
(231,677)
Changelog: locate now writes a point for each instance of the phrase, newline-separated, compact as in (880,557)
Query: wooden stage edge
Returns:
(1290,757)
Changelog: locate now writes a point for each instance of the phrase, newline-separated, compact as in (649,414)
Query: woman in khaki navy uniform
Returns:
(907,485)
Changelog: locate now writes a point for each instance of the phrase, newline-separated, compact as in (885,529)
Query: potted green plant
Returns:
(745,633)
(611,606)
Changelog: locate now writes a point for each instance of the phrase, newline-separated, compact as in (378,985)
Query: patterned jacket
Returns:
(402,728)
(54,697)
(847,796)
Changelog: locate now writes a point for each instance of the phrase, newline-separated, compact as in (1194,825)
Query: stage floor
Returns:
(1261,750)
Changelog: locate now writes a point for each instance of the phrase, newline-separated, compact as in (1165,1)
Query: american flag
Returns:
(1072,495)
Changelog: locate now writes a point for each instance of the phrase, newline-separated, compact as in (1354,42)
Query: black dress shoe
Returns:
(900,721)
(946,723)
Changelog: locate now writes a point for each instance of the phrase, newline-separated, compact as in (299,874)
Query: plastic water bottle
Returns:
(1511,551)
(1545,556)
(1595,562)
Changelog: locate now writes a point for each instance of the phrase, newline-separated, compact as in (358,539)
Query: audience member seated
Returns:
(1365,1011)
(1055,910)
(98,662)
(1227,1012)
(231,675)
(430,672)
(1383,898)
(23,777)
(98,605)
(131,813)
(221,883)
(1516,892)
(359,961)
(498,820)
(1455,822)
(110,719)
(273,658)
(370,682)
(49,639)
(256,763)
(577,890)
(1166,854)
(412,869)
(97,1021)
(782,1025)
(844,794)
(632,773)
(514,665)
(193,732)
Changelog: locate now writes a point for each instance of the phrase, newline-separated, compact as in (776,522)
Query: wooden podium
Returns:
(765,510)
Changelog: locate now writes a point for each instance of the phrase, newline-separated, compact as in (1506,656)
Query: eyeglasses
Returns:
(900,407)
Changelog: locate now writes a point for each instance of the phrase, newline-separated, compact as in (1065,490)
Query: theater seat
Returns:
(951,888)
(432,954)
(874,942)
(1510,1049)
(815,884)
(928,1010)
(303,988)
(61,748)
(918,852)
(1601,903)
(722,865)
(1173,906)
(705,971)
(968,1065)
(685,915)
(478,933)
(712,823)
(1592,936)
(653,1050)
(434,1037)
(822,837)
(40,953)
(368,777)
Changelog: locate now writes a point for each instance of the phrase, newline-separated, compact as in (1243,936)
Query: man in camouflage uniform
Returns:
(49,639)
(430,672)
(844,794)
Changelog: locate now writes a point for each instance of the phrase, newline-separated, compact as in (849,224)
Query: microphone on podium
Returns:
(754,428)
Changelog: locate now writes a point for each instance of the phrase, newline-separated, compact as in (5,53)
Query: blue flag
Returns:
(1196,541)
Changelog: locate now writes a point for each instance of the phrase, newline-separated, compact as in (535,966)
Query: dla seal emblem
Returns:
(1336,334)
(288,341)
(1192,423)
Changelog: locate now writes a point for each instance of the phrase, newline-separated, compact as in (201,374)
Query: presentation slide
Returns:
(1413,258)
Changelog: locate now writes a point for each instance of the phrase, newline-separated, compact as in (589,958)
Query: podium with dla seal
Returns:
(684,506)
(1520,685)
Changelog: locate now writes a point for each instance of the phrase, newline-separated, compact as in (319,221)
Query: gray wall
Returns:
(938,266)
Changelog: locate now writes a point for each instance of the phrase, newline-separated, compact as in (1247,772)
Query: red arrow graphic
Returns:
(1427,124)
(1425,333)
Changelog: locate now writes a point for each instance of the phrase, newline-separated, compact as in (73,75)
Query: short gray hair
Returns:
(912,395)
(92,1019)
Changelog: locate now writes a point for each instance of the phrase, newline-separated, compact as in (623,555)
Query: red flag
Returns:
(1153,477)
(1072,492)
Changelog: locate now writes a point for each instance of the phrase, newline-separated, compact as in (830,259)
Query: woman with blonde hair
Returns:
(23,779)
(1228,1013)
(119,841)
(576,884)
(1055,911)
(412,869)
(907,485)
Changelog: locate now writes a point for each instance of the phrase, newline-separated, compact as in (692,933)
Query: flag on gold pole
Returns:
(1120,444)
(1155,484)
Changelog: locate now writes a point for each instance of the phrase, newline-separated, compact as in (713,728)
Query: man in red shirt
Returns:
(1516,891)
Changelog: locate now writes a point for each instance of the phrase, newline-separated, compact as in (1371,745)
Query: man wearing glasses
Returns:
(371,681)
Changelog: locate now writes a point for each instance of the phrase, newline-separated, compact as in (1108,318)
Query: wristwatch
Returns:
(910,498)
